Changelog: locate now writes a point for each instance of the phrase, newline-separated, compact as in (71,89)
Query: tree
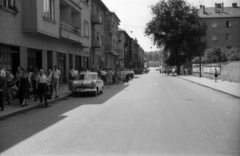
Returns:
(219,54)
(176,27)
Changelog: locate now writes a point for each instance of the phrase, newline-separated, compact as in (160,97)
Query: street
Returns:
(155,114)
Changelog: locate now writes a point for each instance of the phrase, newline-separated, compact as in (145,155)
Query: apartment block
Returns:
(110,39)
(223,25)
(98,11)
(44,33)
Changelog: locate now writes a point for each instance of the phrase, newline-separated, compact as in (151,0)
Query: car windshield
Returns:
(87,77)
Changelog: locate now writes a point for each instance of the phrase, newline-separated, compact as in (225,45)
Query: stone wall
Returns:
(229,71)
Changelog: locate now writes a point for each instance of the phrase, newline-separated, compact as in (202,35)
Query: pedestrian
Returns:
(49,84)
(127,76)
(2,71)
(2,88)
(215,75)
(56,79)
(71,74)
(24,88)
(9,86)
(34,77)
(42,87)
(109,77)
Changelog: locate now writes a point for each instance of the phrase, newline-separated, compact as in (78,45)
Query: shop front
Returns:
(34,58)
(61,63)
(9,57)
(83,54)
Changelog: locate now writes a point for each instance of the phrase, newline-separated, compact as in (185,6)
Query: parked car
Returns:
(87,82)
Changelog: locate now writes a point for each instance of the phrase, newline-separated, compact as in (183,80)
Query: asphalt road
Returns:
(152,115)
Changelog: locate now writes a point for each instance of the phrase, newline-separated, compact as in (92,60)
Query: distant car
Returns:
(157,69)
(87,82)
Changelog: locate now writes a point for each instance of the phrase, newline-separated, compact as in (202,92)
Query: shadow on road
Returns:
(16,129)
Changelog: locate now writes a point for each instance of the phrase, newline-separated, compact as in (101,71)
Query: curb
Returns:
(30,108)
(210,87)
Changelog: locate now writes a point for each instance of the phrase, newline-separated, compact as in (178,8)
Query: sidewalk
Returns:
(15,108)
(231,88)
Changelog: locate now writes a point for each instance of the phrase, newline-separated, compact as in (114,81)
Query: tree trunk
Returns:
(178,65)
(178,69)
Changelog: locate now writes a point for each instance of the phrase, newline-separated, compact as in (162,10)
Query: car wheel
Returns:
(75,94)
(101,90)
(96,93)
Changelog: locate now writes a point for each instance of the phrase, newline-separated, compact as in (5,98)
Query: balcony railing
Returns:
(70,28)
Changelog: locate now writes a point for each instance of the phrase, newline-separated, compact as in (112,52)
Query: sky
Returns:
(135,14)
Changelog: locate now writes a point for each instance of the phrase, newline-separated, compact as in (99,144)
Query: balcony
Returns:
(110,29)
(119,52)
(69,32)
(97,19)
(110,49)
(96,43)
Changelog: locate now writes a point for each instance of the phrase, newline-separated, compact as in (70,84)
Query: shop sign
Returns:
(83,51)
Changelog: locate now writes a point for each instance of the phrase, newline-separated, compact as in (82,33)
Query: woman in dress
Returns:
(24,88)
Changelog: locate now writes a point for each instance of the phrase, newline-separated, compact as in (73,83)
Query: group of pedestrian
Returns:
(29,83)
(108,75)
(116,76)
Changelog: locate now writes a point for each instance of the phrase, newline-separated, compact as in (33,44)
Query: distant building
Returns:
(223,25)
(98,11)
(111,38)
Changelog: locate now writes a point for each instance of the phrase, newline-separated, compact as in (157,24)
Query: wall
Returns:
(221,30)
(229,71)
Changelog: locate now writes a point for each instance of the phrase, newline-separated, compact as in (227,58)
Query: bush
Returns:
(217,54)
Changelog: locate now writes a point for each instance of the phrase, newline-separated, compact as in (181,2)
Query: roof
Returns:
(228,12)
(115,16)
(123,31)
(103,5)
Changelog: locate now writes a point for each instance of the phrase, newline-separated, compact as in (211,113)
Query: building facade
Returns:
(67,33)
(111,39)
(98,11)
(45,33)
(223,25)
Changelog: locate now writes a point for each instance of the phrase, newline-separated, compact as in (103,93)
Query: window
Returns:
(101,16)
(97,11)
(228,24)
(228,37)
(86,29)
(92,9)
(11,4)
(214,24)
(214,37)
(48,9)
(229,47)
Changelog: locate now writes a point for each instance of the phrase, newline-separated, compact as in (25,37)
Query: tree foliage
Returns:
(219,54)
(176,27)
(152,56)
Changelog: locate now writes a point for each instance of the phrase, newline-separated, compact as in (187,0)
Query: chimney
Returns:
(222,7)
(234,5)
(203,9)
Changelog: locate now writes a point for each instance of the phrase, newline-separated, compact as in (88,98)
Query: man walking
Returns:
(216,74)
(2,88)
(56,79)
(42,87)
